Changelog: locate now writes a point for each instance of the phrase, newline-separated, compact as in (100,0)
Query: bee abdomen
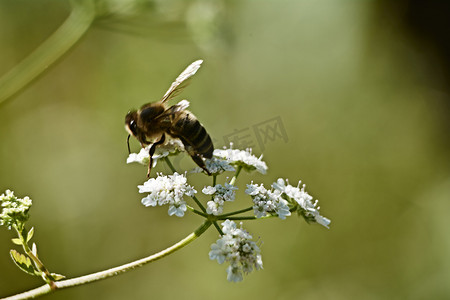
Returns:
(189,129)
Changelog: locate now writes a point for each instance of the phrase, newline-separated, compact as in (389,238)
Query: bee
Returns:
(155,123)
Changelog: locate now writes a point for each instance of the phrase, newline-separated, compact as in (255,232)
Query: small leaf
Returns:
(23,262)
(56,276)
(34,249)
(17,241)
(30,234)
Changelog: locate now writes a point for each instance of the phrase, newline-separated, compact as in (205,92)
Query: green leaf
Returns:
(30,234)
(56,276)
(23,262)
(17,241)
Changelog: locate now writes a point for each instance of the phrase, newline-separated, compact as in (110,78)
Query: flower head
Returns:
(267,202)
(169,190)
(299,197)
(242,158)
(220,194)
(215,166)
(236,248)
(14,211)
(171,147)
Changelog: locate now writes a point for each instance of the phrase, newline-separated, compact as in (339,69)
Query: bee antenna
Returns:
(128,143)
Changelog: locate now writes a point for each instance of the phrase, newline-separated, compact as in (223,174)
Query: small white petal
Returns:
(209,190)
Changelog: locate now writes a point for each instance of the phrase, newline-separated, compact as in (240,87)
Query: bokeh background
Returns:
(360,87)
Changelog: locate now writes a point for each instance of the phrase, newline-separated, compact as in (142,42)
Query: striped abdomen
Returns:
(195,139)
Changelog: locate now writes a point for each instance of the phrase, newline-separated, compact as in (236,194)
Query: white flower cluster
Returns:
(215,166)
(267,202)
(242,158)
(14,210)
(171,147)
(167,190)
(220,194)
(237,248)
(306,207)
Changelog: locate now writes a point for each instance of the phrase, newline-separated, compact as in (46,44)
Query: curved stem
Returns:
(47,53)
(113,271)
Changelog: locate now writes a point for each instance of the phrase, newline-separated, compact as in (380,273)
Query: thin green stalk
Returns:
(47,53)
(217,227)
(113,271)
(209,217)
(169,163)
(233,180)
(236,212)
(196,211)
(245,218)
(23,234)
(199,204)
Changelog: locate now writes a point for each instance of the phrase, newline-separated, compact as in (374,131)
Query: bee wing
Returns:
(182,105)
(182,80)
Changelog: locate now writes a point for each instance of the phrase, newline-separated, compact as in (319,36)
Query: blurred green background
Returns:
(361,88)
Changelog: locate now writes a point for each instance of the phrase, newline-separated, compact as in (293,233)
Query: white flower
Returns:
(215,166)
(242,158)
(267,202)
(220,194)
(218,251)
(142,157)
(170,147)
(236,248)
(168,190)
(308,209)
(13,210)
(177,209)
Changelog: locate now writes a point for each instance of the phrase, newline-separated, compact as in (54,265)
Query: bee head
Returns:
(131,126)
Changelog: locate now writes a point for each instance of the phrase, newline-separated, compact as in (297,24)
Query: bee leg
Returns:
(199,161)
(151,151)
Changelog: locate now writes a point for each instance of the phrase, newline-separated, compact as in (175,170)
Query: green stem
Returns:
(196,211)
(199,204)
(45,274)
(47,53)
(113,271)
(233,180)
(218,227)
(235,212)
(245,218)
(169,163)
